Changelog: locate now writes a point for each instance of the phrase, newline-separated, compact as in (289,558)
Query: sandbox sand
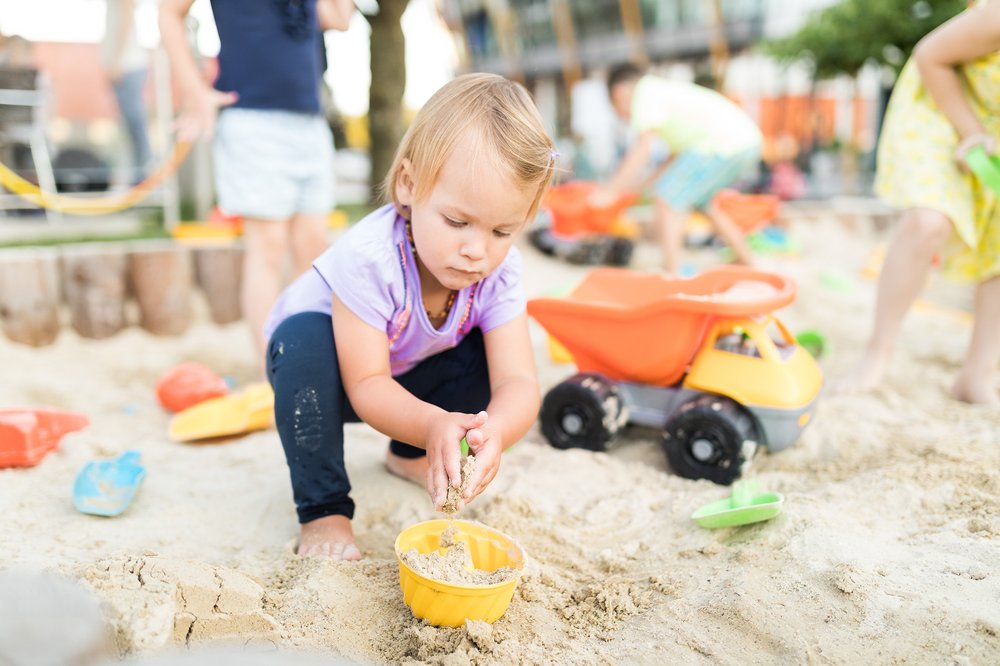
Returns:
(887,549)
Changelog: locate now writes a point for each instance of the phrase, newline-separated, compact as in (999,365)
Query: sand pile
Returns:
(886,550)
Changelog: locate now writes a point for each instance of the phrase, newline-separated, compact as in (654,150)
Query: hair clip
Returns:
(553,155)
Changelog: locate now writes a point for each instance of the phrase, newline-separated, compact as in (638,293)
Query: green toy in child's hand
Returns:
(465,447)
(985,166)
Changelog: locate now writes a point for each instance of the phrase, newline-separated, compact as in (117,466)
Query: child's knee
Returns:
(927,227)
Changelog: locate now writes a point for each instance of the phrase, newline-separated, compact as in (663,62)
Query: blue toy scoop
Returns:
(107,487)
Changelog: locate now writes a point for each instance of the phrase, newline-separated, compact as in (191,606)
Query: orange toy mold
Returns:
(646,328)
(189,384)
(27,435)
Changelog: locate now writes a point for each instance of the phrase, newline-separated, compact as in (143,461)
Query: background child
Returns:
(272,153)
(947,101)
(414,321)
(712,143)
(125,63)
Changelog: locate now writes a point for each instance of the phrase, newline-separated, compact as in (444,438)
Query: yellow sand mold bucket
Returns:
(447,604)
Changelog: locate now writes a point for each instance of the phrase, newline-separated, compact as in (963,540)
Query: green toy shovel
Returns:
(744,506)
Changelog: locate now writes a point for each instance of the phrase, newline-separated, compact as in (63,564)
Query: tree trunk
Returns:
(162,276)
(219,273)
(385,98)
(94,282)
(29,296)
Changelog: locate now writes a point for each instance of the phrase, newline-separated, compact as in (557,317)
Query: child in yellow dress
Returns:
(946,102)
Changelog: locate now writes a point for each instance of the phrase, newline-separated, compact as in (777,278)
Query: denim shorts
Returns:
(694,178)
(270,164)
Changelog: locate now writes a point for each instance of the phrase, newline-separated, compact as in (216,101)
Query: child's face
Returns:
(465,226)
(621,99)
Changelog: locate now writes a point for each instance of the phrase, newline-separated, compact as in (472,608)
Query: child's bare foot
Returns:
(329,536)
(866,375)
(975,390)
(411,469)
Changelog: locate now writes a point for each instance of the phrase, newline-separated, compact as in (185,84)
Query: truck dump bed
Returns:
(646,328)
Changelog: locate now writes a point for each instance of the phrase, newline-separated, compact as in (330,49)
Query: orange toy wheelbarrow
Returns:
(702,358)
(584,234)
(572,215)
(27,435)
(750,212)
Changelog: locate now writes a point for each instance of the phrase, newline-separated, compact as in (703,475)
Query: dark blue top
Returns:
(268,53)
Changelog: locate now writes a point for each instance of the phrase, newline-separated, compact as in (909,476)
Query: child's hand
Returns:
(987,141)
(486,443)
(444,456)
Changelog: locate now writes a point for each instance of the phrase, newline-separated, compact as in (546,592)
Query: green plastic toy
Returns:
(465,447)
(837,281)
(744,506)
(985,166)
(813,342)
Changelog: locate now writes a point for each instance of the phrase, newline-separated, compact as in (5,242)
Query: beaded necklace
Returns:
(451,296)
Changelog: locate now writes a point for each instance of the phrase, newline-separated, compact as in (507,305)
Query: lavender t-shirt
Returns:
(372,271)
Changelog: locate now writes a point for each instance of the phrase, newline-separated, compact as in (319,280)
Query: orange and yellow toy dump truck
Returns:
(703,359)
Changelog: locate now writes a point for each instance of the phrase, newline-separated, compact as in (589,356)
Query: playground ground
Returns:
(885,552)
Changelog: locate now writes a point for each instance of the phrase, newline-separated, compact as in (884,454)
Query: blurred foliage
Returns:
(842,38)
(355,211)
(145,232)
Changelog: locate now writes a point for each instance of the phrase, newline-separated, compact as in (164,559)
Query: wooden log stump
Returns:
(94,280)
(162,277)
(29,296)
(219,271)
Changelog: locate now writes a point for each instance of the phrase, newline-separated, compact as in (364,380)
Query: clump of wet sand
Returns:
(455,493)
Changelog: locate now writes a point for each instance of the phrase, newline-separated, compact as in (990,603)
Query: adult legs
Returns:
(308,240)
(266,245)
(265,248)
(310,409)
(976,381)
(128,93)
(315,194)
(922,232)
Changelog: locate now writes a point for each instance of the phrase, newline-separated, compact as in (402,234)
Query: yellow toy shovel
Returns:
(237,414)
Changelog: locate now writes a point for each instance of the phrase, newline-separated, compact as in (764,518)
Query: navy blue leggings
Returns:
(311,406)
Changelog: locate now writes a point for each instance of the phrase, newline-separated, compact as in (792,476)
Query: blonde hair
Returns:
(505,118)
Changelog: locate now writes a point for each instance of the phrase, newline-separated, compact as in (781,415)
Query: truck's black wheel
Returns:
(710,437)
(588,251)
(620,253)
(582,412)
(542,239)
